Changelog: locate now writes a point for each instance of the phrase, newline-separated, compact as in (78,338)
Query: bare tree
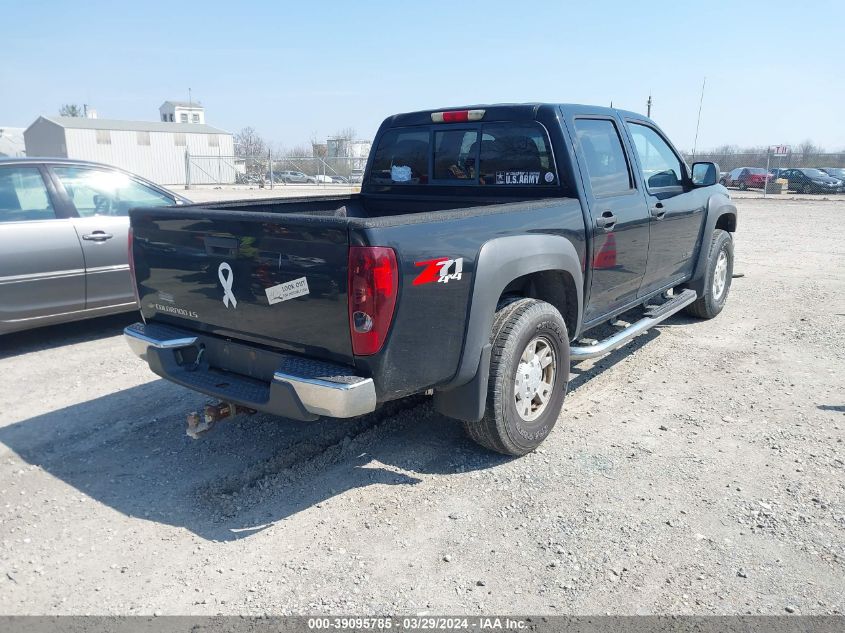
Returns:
(347,133)
(71,109)
(298,151)
(248,143)
(808,148)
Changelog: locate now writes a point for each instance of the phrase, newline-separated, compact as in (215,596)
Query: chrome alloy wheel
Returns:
(535,378)
(720,276)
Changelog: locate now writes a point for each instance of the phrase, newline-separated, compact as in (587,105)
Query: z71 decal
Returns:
(441,270)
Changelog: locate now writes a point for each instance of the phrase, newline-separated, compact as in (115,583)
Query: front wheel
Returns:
(529,372)
(808,188)
(717,278)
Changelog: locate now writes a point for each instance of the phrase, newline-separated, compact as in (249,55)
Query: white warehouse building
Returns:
(153,149)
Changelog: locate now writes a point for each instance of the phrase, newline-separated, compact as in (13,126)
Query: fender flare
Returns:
(718,205)
(499,262)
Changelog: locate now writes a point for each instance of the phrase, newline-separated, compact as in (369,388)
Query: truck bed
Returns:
(359,206)
(285,262)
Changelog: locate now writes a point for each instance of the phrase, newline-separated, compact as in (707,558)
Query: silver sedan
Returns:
(63,239)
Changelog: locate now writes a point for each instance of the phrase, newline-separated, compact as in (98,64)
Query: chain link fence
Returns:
(272,171)
(741,170)
(773,171)
(728,160)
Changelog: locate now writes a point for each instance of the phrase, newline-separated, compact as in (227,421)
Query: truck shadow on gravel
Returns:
(128,450)
(43,338)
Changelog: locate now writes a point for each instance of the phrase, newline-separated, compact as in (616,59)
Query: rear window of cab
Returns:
(489,154)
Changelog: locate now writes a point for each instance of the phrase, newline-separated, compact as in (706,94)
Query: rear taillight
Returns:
(132,278)
(373,285)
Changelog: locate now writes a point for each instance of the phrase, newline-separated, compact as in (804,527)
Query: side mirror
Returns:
(705,174)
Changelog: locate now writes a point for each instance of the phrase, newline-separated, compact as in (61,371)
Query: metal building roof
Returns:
(81,123)
(183,104)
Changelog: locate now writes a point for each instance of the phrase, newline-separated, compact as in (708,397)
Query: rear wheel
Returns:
(717,278)
(807,188)
(529,372)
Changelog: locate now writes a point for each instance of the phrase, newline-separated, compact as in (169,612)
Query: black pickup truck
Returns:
(485,242)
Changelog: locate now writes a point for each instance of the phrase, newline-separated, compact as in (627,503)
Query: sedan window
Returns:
(101,192)
(23,195)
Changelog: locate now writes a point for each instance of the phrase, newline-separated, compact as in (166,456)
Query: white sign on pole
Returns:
(780,150)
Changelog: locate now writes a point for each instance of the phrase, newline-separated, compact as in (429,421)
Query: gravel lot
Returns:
(699,470)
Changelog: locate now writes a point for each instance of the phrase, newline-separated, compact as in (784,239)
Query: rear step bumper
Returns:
(652,317)
(280,384)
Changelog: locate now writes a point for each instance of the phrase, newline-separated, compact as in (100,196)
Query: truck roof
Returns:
(503,112)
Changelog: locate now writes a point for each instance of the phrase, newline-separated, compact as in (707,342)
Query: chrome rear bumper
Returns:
(298,388)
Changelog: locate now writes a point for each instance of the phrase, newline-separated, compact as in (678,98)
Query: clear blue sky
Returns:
(774,70)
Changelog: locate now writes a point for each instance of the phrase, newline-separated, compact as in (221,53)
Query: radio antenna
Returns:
(698,122)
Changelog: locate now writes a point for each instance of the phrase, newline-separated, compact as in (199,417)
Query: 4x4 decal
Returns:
(441,270)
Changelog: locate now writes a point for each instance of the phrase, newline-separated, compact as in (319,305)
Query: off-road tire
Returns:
(516,324)
(708,305)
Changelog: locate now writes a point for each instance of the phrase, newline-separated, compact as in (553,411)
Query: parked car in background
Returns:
(356,176)
(63,236)
(340,179)
(834,172)
(746,178)
(294,177)
(809,180)
(777,172)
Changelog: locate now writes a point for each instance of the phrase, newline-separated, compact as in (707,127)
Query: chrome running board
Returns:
(652,317)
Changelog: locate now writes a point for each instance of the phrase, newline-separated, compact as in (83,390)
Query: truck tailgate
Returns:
(275,280)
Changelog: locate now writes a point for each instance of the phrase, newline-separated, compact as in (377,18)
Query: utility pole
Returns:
(190,101)
(648,106)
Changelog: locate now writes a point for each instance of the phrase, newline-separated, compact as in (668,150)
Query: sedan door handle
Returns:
(657,211)
(606,221)
(97,236)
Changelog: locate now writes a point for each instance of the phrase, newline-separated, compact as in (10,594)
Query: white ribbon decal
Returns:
(227,280)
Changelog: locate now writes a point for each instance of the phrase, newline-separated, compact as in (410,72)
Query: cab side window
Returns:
(604,156)
(23,195)
(660,165)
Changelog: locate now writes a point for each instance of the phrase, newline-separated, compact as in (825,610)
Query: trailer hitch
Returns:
(212,413)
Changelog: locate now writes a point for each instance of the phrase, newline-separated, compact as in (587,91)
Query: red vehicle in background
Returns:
(746,178)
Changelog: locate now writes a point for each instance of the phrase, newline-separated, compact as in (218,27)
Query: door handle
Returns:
(97,236)
(658,212)
(606,221)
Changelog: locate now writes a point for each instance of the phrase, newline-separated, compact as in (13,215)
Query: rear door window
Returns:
(607,165)
(23,195)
